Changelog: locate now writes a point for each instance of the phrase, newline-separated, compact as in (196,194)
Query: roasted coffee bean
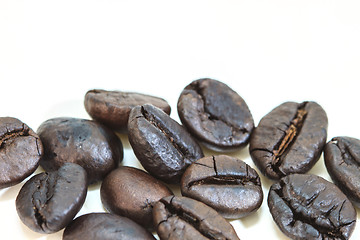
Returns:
(163,146)
(105,226)
(112,108)
(289,139)
(131,192)
(20,151)
(185,218)
(91,145)
(49,201)
(227,184)
(307,207)
(342,160)
(215,114)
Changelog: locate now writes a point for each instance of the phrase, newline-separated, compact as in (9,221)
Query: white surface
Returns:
(52,52)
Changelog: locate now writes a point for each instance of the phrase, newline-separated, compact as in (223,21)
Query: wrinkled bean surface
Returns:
(342,160)
(306,206)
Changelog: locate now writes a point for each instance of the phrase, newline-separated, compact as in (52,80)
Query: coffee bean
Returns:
(342,160)
(289,139)
(185,218)
(306,206)
(163,146)
(112,108)
(20,151)
(215,114)
(227,184)
(91,145)
(105,226)
(49,201)
(131,192)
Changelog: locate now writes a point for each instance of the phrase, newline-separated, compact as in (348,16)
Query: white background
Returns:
(52,52)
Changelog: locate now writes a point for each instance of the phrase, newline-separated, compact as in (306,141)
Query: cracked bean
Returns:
(225,183)
(20,151)
(307,207)
(342,160)
(131,192)
(164,148)
(48,201)
(215,114)
(289,139)
(187,219)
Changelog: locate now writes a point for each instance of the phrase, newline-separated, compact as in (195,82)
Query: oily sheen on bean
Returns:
(105,226)
(164,148)
(132,192)
(289,139)
(215,114)
(225,183)
(85,142)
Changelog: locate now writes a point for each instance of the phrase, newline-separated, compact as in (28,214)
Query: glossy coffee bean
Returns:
(215,114)
(307,207)
(91,145)
(342,160)
(164,148)
(187,219)
(20,151)
(49,201)
(289,139)
(112,108)
(131,192)
(105,226)
(227,184)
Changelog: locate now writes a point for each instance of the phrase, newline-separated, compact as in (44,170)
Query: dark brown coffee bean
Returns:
(185,218)
(91,145)
(20,151)
(105,226)
(342,160)
(227,184)
(131,192)
(112,108)
(307,207)
(289,139)
(215,114)
(49,201)
(163,146)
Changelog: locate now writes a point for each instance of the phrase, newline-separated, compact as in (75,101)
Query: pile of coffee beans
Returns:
(76,153)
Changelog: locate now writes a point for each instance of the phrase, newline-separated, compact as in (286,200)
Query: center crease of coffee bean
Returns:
(210,116)
(13,134)
(291,133)
(186,217)
(298,216)
(41,197)
(152,120)
(347,156)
